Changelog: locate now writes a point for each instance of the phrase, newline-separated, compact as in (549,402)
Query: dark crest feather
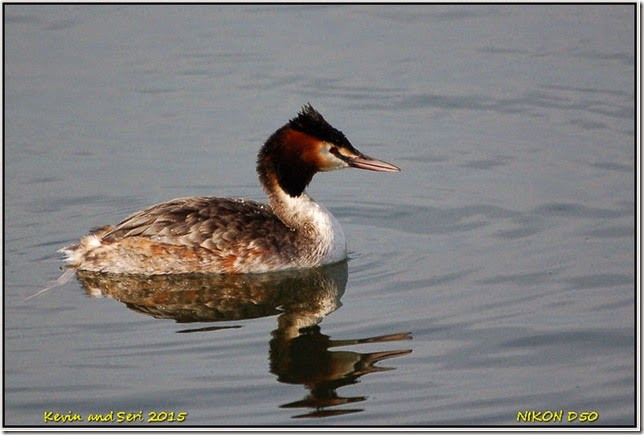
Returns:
(311,122)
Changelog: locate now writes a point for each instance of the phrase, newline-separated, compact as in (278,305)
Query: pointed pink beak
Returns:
(365,162)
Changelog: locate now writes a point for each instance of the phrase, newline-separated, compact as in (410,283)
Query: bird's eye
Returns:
(335,152)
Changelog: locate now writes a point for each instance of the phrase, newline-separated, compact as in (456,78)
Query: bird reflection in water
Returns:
(299,352)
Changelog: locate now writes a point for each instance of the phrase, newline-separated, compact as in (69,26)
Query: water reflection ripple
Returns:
(299,353)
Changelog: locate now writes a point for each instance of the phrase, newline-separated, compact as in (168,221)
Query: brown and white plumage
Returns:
(224,235)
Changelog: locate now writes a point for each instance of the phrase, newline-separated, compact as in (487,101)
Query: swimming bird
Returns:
(233,235)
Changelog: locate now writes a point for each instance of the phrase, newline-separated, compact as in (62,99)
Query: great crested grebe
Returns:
(226,235)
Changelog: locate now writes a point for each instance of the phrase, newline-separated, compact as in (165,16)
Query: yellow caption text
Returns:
(557,416)
(116,417)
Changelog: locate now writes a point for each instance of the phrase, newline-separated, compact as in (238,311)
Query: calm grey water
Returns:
(493,277)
